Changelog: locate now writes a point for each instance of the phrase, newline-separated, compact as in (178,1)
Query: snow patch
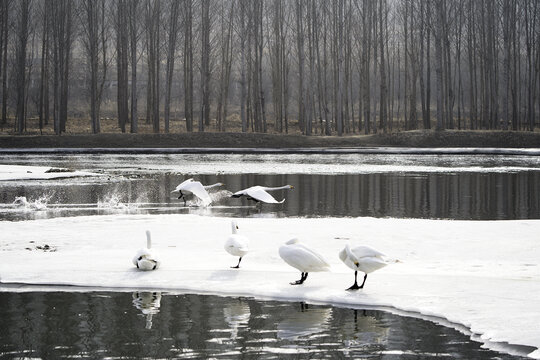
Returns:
(483,275)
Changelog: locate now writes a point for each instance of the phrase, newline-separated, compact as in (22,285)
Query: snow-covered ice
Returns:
(25,172)
(482,277)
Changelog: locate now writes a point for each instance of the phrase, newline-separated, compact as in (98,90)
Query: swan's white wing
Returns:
(183,185)
(237,245)
(303,258)
(370,264)
(261,195)
(198,190)
(366,251)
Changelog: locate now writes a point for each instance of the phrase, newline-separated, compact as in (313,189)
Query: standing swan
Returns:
(259,193)
(362,258)
(191,186)
(236,245)
(299,256)
(146,259)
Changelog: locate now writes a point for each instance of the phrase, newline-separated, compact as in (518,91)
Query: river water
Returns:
(88,324)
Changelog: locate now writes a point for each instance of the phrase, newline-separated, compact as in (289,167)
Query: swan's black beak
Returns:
(356,263)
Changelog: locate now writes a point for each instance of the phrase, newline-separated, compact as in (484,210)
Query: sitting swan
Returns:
(259,193)
(146,259)
(301,257)
(362,258)
(192,187)
(236,245)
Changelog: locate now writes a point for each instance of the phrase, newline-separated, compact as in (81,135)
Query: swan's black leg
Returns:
(355,285)
(238,265)
(302,279)
(363,282)
(182,197)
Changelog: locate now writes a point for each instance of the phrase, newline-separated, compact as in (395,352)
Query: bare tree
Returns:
(153,19)
(188,63)
(171,54)
(94,40)
(205,65)
(122,57)
(22,33)
(133,10)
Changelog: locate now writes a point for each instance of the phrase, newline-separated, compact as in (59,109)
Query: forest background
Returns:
(268,66)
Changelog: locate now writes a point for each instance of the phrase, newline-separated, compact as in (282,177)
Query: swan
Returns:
(146,259)
(362,258)
(191,186)
(236,245)
(259,193)
(301,257)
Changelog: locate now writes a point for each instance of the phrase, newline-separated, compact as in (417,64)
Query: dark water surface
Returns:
(95,325)
(478,187)
(91,325)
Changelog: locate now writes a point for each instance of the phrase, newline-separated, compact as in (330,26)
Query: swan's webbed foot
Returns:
(355,287)
(301,281)
(237,265)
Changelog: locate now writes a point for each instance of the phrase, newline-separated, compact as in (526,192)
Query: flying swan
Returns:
(259,193)
(362,258)
(146,259)
(236,245)
(301,257)
(192,187)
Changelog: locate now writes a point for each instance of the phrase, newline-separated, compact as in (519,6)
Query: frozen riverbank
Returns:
(483,275)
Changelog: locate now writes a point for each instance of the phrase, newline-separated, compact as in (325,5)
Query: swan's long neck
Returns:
(278,188)
(213,185)
(148,239)
(350,254)
(234,227)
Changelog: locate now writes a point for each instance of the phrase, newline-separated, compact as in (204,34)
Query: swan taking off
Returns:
(301,257)
(259,193)
(362,258)
(192,187)
(146,259)
(236,245)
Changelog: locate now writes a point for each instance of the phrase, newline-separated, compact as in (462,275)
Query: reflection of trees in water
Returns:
(148,303)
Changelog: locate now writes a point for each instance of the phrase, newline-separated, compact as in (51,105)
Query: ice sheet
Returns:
(24,172)
(484,275)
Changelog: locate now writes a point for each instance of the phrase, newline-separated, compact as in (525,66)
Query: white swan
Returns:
(146,259)
(301,257)
(236,245)
(259,193)
(192,187)
(362,258)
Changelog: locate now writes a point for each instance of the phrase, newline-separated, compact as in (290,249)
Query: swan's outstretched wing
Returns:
(197,189)
(258,193)
(183,185)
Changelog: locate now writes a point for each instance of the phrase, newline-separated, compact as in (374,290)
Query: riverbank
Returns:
(417,138)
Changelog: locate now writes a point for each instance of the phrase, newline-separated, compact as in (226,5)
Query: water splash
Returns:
(33,205)
(115,202)
(219,195)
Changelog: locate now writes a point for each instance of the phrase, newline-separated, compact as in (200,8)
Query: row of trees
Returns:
(327,67)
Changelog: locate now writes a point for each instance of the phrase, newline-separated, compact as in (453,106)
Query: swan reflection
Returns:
(364,329)
(237,316)
(304,322)
(148,303)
